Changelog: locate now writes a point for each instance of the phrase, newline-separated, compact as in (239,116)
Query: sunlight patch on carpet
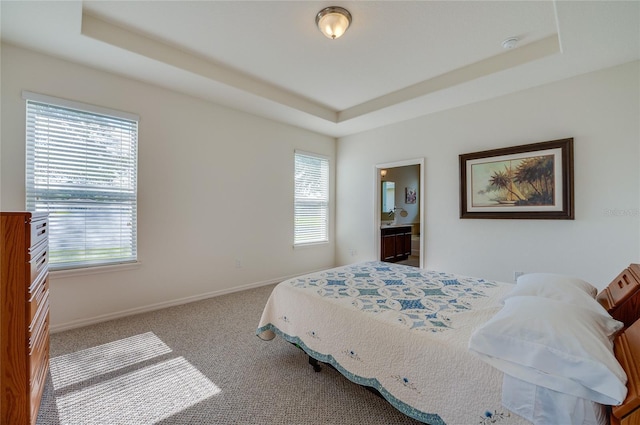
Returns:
(92,387)
(86,364)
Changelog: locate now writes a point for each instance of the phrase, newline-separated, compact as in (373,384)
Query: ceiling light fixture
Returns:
(333,21)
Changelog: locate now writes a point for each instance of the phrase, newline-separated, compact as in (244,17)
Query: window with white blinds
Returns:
(311,200)
(82,169)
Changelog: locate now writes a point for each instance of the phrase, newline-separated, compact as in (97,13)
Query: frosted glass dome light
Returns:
(333,21)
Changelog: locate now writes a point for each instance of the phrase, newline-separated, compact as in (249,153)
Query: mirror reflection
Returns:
(388,196)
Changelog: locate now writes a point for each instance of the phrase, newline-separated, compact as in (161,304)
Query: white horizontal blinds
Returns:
(82,170)
(311,198)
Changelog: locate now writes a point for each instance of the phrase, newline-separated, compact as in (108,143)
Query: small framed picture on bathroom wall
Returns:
(409,195)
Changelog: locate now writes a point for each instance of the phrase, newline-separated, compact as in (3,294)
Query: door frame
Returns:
(377,199)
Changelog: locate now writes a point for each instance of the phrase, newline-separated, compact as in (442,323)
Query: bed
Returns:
(407,333)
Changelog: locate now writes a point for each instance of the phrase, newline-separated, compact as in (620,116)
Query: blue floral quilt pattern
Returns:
(420,299)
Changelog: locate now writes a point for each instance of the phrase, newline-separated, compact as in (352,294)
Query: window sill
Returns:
(83,271)
(309,244)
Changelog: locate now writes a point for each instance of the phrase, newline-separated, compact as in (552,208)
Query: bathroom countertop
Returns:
(388,226)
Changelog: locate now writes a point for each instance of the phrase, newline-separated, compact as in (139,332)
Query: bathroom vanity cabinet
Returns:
(395,243)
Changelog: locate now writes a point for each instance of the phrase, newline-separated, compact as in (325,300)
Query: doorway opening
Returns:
(399,209)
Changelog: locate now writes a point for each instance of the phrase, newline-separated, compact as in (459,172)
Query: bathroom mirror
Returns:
(388,196)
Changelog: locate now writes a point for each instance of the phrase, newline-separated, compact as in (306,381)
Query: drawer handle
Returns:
(42,291)
(42,262)
(41,230)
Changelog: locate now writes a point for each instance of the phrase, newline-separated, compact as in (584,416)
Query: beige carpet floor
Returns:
(199,363)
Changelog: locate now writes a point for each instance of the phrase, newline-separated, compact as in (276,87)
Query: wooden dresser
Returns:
(24,314)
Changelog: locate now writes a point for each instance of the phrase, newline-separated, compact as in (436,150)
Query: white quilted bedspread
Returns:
(401,330)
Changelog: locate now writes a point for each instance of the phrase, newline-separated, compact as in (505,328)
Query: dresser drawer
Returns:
(38,295)
(39,328)
(40,356)
(38,259)
(37,383)
(39,230)
(38,263)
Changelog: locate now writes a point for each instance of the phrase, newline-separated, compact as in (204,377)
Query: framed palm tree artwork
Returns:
(533,181)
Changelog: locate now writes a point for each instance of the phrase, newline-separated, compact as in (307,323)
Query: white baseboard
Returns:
(152,307)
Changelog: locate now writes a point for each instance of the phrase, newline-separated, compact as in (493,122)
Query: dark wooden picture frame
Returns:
(533,181)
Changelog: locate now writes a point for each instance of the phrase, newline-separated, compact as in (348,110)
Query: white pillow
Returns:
(542,406)
(557,280)
(563,347)
(567,290)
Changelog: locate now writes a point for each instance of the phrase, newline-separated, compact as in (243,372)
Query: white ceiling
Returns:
(398,60)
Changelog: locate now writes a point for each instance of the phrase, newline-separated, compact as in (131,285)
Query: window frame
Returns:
(325,202)
(125,199)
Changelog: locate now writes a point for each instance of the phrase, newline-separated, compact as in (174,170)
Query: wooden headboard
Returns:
(621,298)
(627,350)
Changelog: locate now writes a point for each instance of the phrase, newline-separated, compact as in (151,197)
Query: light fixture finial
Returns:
(333,21)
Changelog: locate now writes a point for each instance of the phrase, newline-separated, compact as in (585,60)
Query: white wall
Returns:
(599,110)
(215,186)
